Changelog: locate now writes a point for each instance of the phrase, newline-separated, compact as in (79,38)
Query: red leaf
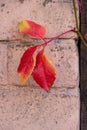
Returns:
(44,72)
(31,28)
(27,64)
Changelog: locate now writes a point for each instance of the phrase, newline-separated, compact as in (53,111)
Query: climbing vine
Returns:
(34,62)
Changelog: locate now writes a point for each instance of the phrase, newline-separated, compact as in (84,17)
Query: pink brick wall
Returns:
(29,107)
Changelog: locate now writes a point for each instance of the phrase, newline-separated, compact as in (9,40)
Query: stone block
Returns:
(63,54)
(3,63)
(55,15)
(34,109)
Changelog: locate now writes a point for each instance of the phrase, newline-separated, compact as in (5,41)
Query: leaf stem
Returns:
(58,36)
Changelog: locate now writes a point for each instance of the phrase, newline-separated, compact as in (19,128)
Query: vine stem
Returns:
(72,30)
(82,39)
(58,36)
(77,25)
(75,12)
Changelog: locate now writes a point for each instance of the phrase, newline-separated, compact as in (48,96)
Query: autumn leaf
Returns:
(31,28)
(44,73)
(27,64)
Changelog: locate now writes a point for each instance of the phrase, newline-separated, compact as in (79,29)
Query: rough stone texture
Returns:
(29,107)
(3,64)
(56,15)
(34,109)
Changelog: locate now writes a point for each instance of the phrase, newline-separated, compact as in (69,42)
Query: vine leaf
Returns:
(27,64)
(31,28)
(40,67)
(44,73)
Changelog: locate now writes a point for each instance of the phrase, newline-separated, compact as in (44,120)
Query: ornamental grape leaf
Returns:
(31,28)
(27,64)
(44,73)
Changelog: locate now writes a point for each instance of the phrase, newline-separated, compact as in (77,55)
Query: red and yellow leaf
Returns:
(31,28)
(44,73)
(27,64)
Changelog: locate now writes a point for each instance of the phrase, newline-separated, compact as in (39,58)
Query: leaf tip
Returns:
(23,27)
(22,81)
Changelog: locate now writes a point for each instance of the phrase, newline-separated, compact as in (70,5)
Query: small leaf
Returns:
(44,73)
(27,64)
(31,28)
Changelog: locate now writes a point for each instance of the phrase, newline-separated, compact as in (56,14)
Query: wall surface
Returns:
(83,63)
(29,107)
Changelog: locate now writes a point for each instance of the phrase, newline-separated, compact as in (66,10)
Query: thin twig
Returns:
(82,39)
(77,25)
(75,12)
(58,36)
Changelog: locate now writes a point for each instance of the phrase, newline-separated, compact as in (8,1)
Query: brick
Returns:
(56,16)
(3,63)
(34,109)
(63,54)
